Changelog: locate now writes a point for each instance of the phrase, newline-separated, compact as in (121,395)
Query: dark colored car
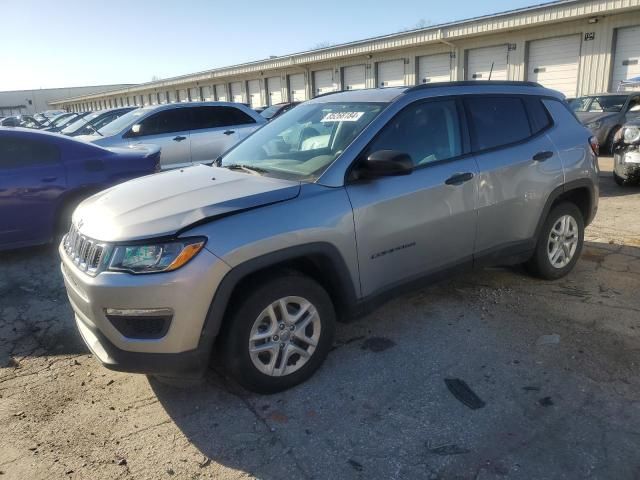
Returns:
(53,121)
(94,121)
(273,111)
(44,176)
(26,121)
(605,113)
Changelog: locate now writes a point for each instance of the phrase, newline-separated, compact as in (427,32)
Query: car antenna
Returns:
(491,71)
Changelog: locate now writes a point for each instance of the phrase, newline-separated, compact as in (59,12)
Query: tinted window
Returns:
(496,121)
(537,114)
(233,116)
(19,152)
(428,132)
(212,117)
(168,121)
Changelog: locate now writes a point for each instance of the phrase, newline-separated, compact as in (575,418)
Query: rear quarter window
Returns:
(496,121)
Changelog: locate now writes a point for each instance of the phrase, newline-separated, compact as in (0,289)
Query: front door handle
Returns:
(229,132)
(542,156)
(179,138)
(49,179)
(459,178)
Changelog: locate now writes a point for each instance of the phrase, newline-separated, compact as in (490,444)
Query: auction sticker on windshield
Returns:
(342,117)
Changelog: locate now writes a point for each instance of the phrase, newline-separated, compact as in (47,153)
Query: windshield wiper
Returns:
(246,168)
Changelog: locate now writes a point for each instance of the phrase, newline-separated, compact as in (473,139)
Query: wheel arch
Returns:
(581,192)
(320,261)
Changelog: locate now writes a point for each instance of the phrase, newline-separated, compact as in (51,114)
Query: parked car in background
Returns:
(25,121)
(63,122)
(626,154)
(43,176)
(53,121)
(264,252)
(269,113)
(605,113)
(187,133)
(94,121)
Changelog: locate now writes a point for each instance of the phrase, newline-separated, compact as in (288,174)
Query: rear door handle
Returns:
(229,132)
(179,138)
(459,178)
(542,156)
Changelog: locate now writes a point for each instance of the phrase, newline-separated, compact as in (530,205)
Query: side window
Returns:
(233,116)
(538,115)
(205,117)
(212,117)
(496,121)
(18,152)
(427,131)
(168,121)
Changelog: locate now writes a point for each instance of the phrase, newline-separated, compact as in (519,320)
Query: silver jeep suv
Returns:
(319,214)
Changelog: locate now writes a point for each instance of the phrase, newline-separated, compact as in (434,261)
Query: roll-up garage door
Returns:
(434,68)
(274,90)
(390,73)
(322,82)
(194,94)
(221,93)
(480,61)
(172,97)
(236,92)
(353,77)
(253,87)
(553,62)
(297,88)
(626,61)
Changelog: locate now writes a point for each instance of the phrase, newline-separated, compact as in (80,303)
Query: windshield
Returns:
(270,111)
(79,122)
(302,143)
(125,120)
(608,103)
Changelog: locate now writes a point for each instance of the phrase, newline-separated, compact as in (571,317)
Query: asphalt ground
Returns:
(554,365)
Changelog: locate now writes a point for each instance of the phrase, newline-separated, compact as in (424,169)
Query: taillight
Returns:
(595,145)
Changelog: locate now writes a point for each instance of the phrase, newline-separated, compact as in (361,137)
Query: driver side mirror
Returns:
(384,163)
(134,131)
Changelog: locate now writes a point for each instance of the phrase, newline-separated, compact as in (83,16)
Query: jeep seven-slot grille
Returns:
(85,252)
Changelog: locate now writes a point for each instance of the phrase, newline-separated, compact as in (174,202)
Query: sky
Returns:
(67,43)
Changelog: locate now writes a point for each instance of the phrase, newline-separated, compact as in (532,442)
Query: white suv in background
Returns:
(186,133)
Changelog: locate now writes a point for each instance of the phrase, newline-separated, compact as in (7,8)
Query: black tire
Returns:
(540,265)
(619,180)
(610,139)
(235,342)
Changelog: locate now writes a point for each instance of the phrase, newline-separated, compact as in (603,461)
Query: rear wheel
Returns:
(611,139)
(280,334)
(559,243)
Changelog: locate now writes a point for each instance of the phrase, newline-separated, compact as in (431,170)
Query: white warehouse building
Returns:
(575,46)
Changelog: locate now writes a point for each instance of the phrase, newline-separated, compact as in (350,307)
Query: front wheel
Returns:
(559,243)
(279,334)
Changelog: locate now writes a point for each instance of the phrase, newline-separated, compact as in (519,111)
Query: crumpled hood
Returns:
(588,117)
(161,204)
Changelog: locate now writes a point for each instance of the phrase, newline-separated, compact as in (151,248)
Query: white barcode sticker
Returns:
(342,117)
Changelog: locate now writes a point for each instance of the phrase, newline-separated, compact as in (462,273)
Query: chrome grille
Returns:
(85,252)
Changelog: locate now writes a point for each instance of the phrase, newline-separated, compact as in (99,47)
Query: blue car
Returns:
(43,176)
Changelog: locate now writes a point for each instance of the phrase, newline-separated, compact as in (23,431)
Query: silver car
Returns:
(187,133)
(605,113)
(319,215)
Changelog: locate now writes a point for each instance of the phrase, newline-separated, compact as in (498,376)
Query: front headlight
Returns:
(631,134)
(594,125)
(152,258)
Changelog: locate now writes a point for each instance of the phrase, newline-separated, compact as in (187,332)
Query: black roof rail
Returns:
(474,83)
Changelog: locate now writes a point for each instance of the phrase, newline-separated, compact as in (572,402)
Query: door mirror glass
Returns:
(384,163)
